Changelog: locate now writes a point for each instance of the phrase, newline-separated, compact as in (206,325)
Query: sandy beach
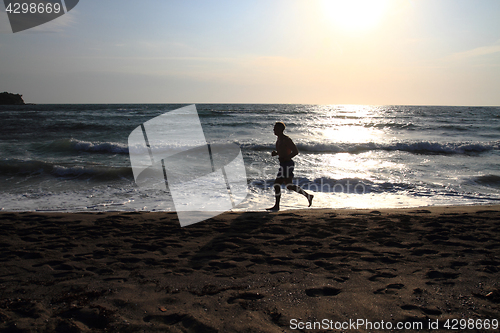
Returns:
(249,272)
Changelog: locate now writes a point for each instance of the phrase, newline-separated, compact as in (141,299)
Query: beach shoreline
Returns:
(248,271)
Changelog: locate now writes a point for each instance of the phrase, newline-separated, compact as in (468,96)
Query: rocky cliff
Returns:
(11,99)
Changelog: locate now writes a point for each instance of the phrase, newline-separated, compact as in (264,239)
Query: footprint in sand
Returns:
(390,289)
(324,291)
(245,297)
(184,321)
(436,275)
(427,311)
(381,275)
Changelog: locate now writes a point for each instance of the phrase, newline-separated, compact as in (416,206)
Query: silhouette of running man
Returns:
(285,150)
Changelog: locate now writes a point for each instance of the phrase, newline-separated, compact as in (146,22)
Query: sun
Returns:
(355,15)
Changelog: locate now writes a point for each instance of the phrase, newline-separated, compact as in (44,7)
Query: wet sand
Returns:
(248,272)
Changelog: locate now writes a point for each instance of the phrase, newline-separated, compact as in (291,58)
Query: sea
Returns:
(75,158)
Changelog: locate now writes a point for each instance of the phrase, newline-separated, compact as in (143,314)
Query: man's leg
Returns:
(277,194)
(291,186)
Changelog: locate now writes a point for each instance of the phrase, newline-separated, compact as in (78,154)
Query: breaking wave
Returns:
(413,147)
(40,168)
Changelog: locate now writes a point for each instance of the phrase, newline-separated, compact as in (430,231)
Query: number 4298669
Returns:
(462,324)
(33,8)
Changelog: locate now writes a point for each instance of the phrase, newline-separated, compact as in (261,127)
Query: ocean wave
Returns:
(72,145)
(71,127)
(487,180)
(87,146)
(413,147)
(407,126)
(94,173)
(343,185)
(257,147)
(446,148)
(315,147)
(41,168)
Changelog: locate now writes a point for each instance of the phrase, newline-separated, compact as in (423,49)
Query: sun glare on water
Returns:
(355,15)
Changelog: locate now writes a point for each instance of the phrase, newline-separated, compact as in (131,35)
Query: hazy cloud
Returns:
(479,51)
(58,25)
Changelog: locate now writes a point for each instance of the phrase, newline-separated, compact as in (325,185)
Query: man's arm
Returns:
(292,147)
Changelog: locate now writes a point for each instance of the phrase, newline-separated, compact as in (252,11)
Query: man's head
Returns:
(279,127)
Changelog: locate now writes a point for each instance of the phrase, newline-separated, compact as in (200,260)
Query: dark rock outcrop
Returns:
(11,99)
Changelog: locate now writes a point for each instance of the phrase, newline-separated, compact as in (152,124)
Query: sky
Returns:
(377,52)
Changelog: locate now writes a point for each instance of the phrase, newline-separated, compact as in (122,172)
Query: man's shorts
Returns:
(286,170)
